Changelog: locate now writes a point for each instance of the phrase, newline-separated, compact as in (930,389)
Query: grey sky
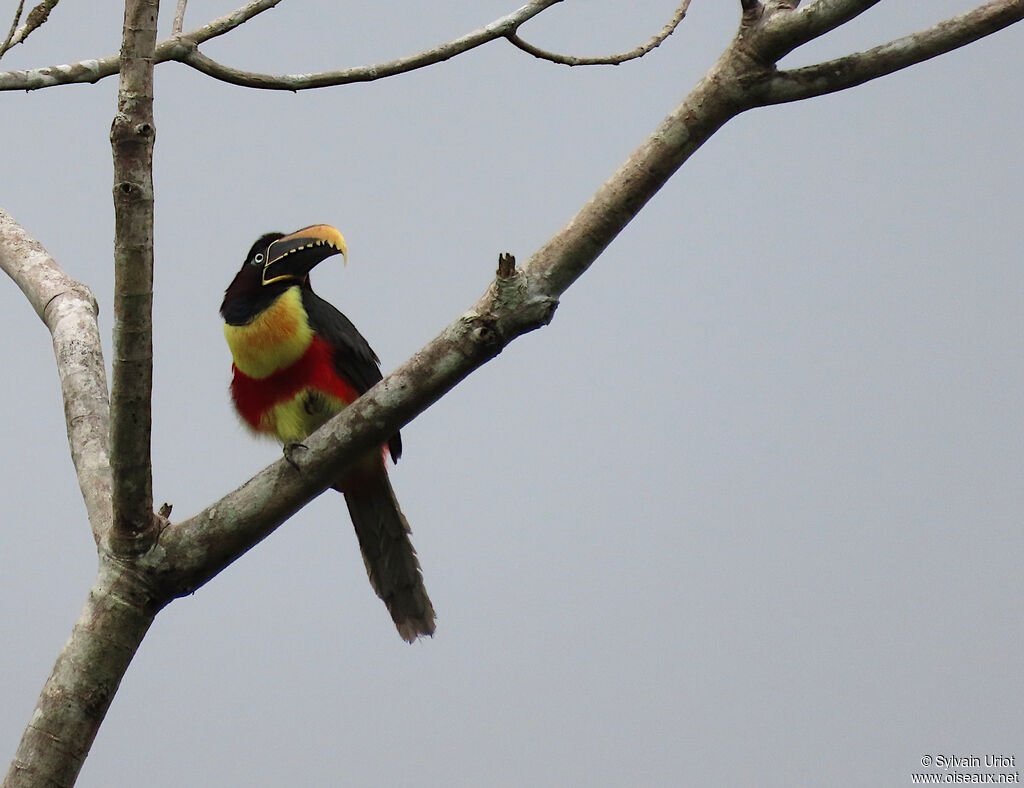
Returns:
(747,513)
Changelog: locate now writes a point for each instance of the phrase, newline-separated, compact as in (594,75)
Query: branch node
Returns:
(483,334)
(753,10)
(506,265)
(130,538)
(291,454)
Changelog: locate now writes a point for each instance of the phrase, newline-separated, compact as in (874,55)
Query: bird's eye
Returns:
(258,259)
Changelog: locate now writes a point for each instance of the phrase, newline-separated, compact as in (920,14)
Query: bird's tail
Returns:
(390,559)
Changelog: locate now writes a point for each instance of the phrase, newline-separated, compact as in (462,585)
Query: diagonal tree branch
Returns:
(131,137)
(35,19)
(514,304)
(14,26)
(68,310)
(855,69)
(605,60)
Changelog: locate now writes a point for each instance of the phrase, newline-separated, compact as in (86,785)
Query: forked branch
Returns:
(860,67)
(14,27)
(35,19)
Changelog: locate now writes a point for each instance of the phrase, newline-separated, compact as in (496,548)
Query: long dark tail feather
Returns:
(390,559)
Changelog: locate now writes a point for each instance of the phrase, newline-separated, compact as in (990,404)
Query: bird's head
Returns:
(277,261)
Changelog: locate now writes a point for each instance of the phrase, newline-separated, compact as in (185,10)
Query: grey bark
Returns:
(131,137)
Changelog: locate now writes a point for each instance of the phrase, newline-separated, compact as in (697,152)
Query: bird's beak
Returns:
(294,256)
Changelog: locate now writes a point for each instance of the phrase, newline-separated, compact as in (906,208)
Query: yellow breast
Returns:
(293,420)
(275,339)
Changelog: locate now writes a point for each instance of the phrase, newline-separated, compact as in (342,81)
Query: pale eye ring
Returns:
(258,259)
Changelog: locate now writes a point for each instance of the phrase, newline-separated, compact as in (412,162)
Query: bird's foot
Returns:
(290,450)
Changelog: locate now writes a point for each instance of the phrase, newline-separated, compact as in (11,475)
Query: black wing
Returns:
(354,359)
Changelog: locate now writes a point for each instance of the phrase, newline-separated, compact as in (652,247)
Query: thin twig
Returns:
(14,26)
(604,60)
(179,17)
(499,28)
(223,24)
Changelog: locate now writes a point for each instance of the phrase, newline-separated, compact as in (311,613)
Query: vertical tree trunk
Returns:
(131,136)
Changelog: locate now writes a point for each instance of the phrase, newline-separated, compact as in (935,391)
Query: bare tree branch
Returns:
(35,19)
(605,60)
(225,24)
(855,69)
(94,70)
(500,28)
(179,17)
(131,138)
(68,310)
(14,26)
